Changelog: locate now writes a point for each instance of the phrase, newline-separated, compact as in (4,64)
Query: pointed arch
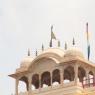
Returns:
(23,84)
(69,74)
(56,77)
(81,74)
(91,77)
(45,79)
(35,81)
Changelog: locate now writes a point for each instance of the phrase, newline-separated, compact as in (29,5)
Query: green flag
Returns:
(52,34)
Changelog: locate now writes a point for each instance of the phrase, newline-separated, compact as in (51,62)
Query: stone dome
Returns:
(57,51)
(26,62)
(74,52)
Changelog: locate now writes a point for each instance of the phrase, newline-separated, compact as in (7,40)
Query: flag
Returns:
(87,32)
(88,43)
(88,51)
(52,34)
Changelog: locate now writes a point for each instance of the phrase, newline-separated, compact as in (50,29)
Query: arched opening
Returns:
(56,77)
(91,78)
(69,74)
(23,84)
(82,75)
(35,81)
(45,79)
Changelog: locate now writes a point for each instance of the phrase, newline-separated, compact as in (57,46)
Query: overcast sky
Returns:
(26,24)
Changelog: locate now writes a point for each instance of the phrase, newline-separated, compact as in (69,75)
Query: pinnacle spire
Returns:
(36,52)
(59,43)
(65,46)
(73,41)
(29,52)
(42,47)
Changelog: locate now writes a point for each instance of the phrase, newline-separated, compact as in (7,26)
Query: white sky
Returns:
(26,24)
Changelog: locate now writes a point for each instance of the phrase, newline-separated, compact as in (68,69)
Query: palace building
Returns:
(56,71)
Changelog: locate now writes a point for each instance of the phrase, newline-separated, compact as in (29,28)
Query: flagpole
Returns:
(88,43)
(51,35)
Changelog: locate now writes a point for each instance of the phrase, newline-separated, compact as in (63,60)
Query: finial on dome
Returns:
(73,41)
(36,52)
(58,43)
(42,47)
(28,52)
(65,46)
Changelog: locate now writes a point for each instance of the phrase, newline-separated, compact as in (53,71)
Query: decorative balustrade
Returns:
(88,83)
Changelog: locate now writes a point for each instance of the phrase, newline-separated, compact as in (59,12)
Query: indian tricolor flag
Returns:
(88,43)
(87,32)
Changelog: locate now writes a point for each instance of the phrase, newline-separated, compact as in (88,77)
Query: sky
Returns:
(26,24)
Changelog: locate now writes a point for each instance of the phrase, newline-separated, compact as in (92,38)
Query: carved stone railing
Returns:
(23,93)
(50,88)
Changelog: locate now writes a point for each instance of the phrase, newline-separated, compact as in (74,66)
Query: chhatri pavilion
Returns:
(56,71)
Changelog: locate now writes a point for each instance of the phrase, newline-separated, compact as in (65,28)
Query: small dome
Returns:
(74,52)
(58,51)
(26,61)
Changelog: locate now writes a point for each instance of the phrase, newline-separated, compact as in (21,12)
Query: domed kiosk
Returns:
(56,71)
(25,63)
(74,52)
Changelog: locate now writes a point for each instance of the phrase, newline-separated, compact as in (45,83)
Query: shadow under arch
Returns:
(81,74)
(35,81)
(91,78)
(69,74)
(45,79)
(56,77)
(23,84)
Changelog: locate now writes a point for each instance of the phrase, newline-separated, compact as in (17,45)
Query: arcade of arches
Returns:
(56,77)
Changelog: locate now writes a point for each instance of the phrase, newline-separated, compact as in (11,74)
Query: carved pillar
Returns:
(51,78)
(16,86)
(87,80)
(76,73)
(29,84)
(40,81)
(94,79)
(61,76)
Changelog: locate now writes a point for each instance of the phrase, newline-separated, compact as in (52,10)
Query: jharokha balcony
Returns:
(66,85)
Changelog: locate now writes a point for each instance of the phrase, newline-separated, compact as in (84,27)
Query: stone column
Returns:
(94,79)
(29,84)
(16,86)
(51,78)
(76,73)
(39,81)
(61,76)
(87,82)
